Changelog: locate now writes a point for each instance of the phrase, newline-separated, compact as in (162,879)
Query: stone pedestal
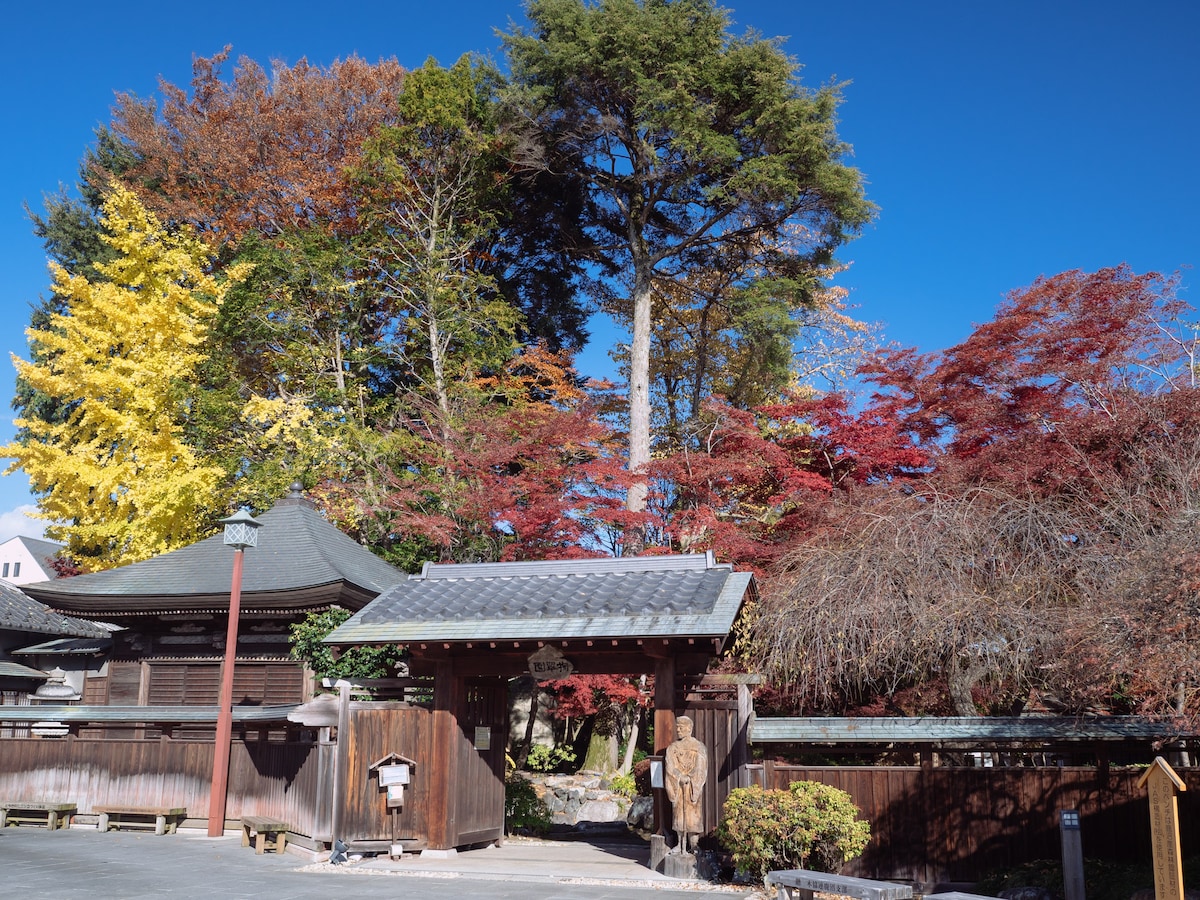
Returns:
(680,865)
(658,851)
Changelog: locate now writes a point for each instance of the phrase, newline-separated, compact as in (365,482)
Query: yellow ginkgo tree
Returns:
(114,475)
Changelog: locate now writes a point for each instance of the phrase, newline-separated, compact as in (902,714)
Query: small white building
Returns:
(24,560)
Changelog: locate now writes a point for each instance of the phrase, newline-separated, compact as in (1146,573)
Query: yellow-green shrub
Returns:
(809,826)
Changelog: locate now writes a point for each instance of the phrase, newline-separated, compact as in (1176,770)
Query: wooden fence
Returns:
(938,825)
(288,779)
(720,725)
(265,777)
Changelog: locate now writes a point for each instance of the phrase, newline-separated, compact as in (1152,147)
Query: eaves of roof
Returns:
(953,730)
(19,612)
(10,669)
(66,647)
(648,597)
(301,560)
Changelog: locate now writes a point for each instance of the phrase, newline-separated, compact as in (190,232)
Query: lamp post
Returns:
(241,531)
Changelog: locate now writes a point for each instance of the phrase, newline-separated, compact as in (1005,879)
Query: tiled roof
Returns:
(649,596)
(955,731)
(19,612)
(300,556)
(10,669)
(66,647)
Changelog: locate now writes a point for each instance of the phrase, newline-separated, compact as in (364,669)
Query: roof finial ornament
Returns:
(295,497)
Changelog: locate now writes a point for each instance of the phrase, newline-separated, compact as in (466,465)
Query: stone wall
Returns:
(580,801)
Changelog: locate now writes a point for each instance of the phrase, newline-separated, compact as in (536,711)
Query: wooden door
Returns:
(479,787)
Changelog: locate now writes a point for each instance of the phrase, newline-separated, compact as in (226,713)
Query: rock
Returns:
(574,800)
(1026,893)
(598,810)
(641,814)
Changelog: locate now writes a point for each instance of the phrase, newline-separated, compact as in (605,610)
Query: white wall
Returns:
(23,560)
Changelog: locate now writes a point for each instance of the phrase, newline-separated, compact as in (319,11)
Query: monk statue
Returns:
(685,770)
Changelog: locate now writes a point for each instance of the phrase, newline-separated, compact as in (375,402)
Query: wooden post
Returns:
(1163,785)
(1072,854)
(448,692)
(664,732)
(220,778)
(341,765)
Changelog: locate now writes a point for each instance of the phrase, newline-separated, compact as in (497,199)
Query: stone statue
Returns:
(685,770)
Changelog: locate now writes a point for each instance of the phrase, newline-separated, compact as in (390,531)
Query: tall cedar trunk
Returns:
(639,409)
(601,753)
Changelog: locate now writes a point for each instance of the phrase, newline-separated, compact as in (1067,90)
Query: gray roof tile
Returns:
(668,596)
(19,612)
(40,549)
(10,669)
(298,550)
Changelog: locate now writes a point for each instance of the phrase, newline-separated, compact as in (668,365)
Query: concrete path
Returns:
(81,862)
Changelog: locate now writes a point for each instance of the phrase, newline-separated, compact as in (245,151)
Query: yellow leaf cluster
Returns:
(114,474)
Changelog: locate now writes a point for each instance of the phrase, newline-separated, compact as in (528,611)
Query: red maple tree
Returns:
(1050,393)
(756,481)
(523,470)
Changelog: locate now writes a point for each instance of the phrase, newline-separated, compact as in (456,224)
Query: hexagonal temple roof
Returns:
(301,562)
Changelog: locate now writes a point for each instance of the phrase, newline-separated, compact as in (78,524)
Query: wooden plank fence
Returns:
(265,778)
(289,780)
(938,825)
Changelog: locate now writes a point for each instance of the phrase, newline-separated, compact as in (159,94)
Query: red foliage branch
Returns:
(525,471)
(1048,394)
(586,695)
(760,479)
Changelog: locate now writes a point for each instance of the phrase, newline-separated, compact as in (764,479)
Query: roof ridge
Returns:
(623,565)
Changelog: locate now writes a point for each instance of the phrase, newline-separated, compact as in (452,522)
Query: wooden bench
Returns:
(164,819)
(53,815)
(263,827)
(802,884)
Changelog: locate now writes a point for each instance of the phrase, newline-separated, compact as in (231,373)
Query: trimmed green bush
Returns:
(809,826)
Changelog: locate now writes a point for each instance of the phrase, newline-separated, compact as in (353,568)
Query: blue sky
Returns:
(1001,141)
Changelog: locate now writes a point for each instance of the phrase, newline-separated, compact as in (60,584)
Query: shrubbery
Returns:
(808,826)
(524,810)
(625,785)
(549,759)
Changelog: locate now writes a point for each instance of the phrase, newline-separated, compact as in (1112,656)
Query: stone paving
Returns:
(82,862)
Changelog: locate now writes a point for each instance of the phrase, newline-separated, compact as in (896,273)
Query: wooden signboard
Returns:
(1164,785)
(548,664)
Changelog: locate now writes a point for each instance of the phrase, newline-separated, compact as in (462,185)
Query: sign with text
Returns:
(548,664)
(483,737)
(396,774)
(1163,785)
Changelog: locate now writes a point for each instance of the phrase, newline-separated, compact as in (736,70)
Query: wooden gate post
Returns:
(341,765)
(664,732)
(449,689)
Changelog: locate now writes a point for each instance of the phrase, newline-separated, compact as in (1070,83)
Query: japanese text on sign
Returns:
(549,664)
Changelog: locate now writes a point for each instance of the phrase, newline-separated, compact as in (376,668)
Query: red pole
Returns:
(220,778)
